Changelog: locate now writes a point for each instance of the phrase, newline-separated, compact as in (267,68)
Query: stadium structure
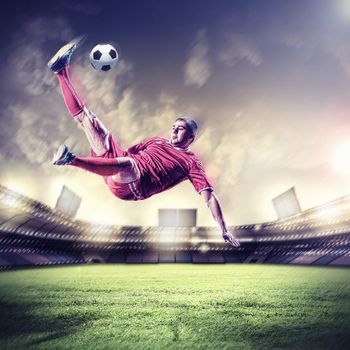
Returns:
(33,234)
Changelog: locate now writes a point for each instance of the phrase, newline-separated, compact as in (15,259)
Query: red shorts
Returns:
(126,191)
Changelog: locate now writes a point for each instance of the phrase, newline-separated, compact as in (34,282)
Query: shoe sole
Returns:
(62,150)
(66,48)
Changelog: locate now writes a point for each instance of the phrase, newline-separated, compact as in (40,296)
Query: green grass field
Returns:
(173,306)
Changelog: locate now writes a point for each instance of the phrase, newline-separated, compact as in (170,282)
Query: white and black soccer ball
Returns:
(103,57)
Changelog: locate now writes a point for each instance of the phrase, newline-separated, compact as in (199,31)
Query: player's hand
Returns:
(228,237)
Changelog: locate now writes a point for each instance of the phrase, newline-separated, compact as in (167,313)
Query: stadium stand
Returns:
(305,259)
(134,257)
(117,257)
(167,257)
(183,257)
(216,258)
(32,234)
(151,258)
(325,260)
(341,261)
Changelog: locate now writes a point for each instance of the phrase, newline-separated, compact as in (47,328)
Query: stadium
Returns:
(172,287)
(86,263)
(33,234)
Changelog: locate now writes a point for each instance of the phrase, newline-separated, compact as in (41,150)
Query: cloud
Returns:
(37,30)
(31,122)
(197,67)
(38,120)
(250,132)
(86,8)
(293,41)
(101,92)
(342,55)
(29,70)
(113,100)
(239,48)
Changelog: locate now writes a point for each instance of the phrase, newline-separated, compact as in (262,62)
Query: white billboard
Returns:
(286,204)
(177,217)
(68,202)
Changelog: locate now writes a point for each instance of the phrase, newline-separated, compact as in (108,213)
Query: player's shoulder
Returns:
(152,139)
(195,161)
(157,139)
(194,157)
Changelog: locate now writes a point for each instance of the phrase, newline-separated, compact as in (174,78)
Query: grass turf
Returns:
(175,307)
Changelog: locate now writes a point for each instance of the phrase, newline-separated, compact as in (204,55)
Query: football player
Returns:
(142,170)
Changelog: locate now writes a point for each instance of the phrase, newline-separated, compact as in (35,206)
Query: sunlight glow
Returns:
(341,157)
(344,8)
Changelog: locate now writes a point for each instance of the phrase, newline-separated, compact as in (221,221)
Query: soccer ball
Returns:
(103,57)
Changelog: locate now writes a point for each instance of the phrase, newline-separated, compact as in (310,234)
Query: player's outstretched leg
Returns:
(121,169)
(96,133)
(59,64)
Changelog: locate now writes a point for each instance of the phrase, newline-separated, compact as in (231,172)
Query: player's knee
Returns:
(88,114)
(127,171)
(80,117)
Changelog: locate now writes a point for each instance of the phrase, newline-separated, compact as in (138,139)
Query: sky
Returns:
(267,81)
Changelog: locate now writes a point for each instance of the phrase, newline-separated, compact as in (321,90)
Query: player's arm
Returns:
(213,204)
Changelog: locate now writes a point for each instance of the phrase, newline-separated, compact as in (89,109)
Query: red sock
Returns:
(73,102)
(101,166)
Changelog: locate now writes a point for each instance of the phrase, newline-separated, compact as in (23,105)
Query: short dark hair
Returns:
(192,125)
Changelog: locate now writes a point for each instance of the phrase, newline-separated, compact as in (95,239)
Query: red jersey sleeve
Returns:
(137,148)
(142,145)
(199,178)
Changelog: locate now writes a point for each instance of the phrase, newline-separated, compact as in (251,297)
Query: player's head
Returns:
(183,132)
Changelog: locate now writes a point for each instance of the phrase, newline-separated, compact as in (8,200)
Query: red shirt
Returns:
(163,166)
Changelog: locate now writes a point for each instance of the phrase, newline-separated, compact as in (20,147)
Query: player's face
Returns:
(180,136)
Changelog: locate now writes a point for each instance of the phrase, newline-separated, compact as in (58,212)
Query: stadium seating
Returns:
(167,257)
(31,233)
(341,261)
(305,259)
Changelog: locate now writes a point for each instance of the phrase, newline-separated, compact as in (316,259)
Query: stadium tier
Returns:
(31,233)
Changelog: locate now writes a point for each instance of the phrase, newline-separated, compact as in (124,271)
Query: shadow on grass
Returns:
(33,325)
(252,325)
